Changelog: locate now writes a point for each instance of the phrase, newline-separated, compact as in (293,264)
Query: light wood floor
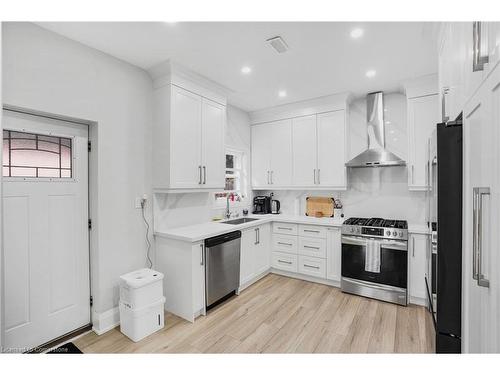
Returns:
(284,315)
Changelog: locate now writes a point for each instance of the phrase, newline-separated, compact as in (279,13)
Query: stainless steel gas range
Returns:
(375,258)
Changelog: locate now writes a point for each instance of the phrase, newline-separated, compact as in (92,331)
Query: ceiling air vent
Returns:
(278,44)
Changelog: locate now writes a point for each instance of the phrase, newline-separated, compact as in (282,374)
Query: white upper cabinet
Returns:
(332,140)
(423,115)
(281,153)
(185,126)
(188,135)
(261,156)
(301,145)
(213,120)
(305,160)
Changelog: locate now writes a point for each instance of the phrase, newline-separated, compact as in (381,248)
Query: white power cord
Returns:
(143,205)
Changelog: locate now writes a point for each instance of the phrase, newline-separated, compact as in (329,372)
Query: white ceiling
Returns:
(323,59)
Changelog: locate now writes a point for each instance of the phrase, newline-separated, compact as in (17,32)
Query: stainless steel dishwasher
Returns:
(222,267)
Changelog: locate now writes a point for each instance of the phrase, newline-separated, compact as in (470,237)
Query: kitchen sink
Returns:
(241,220)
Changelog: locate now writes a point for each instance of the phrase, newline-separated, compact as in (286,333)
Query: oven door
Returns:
(393,261)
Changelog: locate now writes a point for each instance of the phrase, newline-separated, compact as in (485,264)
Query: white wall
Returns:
(372,192)
(47,72)
(176,210)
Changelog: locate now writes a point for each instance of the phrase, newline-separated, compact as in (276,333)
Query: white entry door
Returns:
(45,227)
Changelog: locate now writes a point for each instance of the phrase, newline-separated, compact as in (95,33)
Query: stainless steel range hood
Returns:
(376,155)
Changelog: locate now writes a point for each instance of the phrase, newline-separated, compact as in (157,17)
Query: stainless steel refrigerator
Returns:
(444,253)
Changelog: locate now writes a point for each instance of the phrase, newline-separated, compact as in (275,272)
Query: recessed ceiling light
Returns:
(282,93)
(371,73)
(357,33)
(246,70)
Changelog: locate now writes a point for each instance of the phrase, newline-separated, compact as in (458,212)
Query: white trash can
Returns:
(141,288)
(141,322)
(141,303)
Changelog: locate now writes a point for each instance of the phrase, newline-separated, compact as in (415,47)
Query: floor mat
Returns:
(68,348)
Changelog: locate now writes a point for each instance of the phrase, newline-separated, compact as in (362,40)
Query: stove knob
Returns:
(394,233)
(400,234)
(388,233)
(352,230)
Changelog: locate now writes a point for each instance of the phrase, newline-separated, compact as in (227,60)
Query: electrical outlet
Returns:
(138,201)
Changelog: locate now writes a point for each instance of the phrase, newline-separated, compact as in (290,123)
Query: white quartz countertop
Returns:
(198,232)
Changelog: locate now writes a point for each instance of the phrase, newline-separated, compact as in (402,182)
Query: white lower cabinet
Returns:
(310,250)
(417,260)
(333,254)
(255,253)
(314,247)
(312,266)
(284,261)
(183,264)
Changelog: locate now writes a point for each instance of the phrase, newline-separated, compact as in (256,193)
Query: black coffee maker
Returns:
(261,205)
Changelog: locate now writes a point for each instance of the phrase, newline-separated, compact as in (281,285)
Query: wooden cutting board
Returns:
(319,206)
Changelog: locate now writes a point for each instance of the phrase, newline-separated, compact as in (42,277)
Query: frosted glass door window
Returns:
(36,155)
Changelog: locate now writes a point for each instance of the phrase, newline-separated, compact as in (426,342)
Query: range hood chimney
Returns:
(376,155)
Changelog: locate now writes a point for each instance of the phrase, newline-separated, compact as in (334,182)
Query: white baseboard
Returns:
(418,301)
(105,321)
(306,278)
(253,280)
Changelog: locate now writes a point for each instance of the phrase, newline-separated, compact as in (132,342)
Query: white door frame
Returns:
(92,201)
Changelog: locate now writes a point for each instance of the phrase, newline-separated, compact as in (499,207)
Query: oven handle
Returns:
(395,245)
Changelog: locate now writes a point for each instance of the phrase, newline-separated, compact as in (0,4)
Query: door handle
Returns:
(202,261)
(477,234)
(204,175)
(199,170)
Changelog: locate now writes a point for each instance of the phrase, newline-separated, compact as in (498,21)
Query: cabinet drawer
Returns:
(312,231)
(285,228)
(314,247)
(312,266)
(284,243)
(284,261)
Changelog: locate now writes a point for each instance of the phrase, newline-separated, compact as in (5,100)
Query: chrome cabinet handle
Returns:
(284,243)
(478,60)
(272,182)
(477,234)
(445,92)
(202,261)
(412,174)
(199,169)
(283,261)
(204,175)
(413,247)
(257,236)
(314,170)
(319,176)
(311,247)
(268,179)
(308,266)
(311,231)
(284,228)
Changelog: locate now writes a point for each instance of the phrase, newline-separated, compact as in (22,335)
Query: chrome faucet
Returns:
(228,212)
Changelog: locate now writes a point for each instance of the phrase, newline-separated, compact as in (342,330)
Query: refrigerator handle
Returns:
(477,234)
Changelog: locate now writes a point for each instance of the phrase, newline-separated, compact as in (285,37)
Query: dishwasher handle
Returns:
(214,241)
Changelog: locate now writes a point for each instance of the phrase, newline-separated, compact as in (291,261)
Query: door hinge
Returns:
(90,224)
(91,300)
(89,146)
